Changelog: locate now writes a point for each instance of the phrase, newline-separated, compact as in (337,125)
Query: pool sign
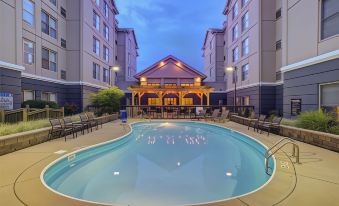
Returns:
(6,101)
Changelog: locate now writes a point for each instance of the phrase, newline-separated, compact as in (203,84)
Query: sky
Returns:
(170,27)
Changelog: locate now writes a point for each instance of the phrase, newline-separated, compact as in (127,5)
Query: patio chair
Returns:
(76,126)
(214,115)
(223,117)
(56,129)
(269,126)
(251,119)
(201,114)
(86,123)
(96,121)
(255,123)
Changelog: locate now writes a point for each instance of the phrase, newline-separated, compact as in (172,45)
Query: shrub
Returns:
(317,120)
(40,104)
(108,100)
(71,108)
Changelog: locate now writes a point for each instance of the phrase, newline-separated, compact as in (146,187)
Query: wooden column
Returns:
(208,98)
(133,96)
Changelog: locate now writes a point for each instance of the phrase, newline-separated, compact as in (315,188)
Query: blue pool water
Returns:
(161,164)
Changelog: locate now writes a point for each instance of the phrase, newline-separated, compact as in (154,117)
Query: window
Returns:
(235,55)
(96,46)
(170,85)
(187,101)
(235,32)
(48,24)
(153,101)
(106,53)
(129,59)
(28,12)
(129,72)
(235,10)
(278,45)
(63,74)
(106,10)
(54,2)
(106,75)
(245,101)
(28,95)
(187,85)
(97,2)
(211,45)
(63,12)
(28,52)
(96,21)
(49,59)
(210,58)
(129,44)
(234,77)
(329,98)
(106,32)
(245,72)
(63,43)
(96,71)
(245,22)
(49,96)
(329,18)
(243,2)
(170,101)
(245,47)
(278,14)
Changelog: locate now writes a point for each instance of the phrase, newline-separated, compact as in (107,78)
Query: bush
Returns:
(318,121)
(71,108)
(107,101)
(40,104)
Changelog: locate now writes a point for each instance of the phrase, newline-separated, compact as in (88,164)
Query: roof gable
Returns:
(170,67)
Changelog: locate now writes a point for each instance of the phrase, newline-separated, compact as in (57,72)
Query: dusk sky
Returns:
(174,27)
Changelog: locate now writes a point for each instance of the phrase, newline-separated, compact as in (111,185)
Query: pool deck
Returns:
(313,182)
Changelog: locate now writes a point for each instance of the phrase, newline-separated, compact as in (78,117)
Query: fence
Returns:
(177,111)
(28,114)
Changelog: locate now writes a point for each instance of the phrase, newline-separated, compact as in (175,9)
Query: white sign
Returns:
(6,101)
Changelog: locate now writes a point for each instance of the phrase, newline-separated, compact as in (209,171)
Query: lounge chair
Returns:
(214,115)
(86,123)
(76,126)
(201,114)
(269,126)
(251,119)
(223,117)
(257,122)
(55,130)
(96,121)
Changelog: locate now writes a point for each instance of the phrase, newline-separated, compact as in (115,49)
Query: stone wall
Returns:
(14,142)
(320,139)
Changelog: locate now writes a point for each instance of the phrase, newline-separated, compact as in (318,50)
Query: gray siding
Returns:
(10,81)
(304,84)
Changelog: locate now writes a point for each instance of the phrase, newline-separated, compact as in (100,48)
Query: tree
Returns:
(108,100)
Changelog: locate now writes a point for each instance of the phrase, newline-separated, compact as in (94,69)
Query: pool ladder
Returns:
(278,146)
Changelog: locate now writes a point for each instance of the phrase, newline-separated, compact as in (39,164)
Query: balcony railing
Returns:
(178,111)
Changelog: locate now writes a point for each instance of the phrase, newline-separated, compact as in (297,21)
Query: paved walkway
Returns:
(314,182)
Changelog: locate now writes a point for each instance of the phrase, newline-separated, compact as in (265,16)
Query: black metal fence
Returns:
(179,112)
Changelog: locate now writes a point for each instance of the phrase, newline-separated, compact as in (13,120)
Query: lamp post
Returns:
(234,71)
(115,69)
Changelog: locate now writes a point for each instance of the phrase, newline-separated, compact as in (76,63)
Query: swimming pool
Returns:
(162,163)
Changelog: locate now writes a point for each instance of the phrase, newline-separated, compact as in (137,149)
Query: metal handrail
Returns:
(295,153)
(280,141)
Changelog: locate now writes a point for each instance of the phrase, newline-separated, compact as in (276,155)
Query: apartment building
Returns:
(309,55)
(250,49)
(286,54)
(57,50)
(127,54)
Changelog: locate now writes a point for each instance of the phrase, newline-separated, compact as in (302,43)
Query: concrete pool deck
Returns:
(313,182)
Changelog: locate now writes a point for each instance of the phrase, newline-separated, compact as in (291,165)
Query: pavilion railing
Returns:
(178,111)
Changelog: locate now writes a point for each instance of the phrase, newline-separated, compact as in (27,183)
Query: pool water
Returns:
(161,164)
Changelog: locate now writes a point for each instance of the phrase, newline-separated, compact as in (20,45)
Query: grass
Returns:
(7,129)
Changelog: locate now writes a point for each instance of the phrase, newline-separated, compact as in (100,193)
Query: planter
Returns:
(14,142)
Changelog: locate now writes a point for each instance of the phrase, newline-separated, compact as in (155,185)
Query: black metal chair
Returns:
(95,121)
(269,126)
(86,123)
(56,129)
(76,126)
(255,123)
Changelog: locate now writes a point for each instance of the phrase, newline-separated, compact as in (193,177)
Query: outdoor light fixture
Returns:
(178,64)
(234,70)
(143,79)
(162,63)
(115,68)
